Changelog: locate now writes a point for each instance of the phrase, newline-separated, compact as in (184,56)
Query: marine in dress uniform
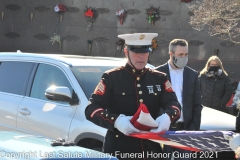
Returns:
(118,96)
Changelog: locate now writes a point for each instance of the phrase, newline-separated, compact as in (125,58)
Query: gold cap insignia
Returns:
(142,37)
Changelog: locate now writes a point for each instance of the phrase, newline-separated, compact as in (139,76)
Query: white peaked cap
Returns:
(138,39)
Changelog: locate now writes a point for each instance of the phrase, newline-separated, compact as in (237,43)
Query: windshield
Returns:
(89,76)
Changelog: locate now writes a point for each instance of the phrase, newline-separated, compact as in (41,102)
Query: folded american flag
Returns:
(215,141)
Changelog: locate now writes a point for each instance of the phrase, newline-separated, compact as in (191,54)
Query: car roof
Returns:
(72,60)
(213,119)
(69,59)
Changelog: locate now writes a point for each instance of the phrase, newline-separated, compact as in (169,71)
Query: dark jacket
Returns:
(238,122)
(120,92)
(216,91)
(191,97)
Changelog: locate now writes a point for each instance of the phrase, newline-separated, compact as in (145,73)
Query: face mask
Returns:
(180,62)
(213,70)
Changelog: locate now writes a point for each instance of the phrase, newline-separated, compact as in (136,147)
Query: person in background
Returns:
(185,84)
(121,91)
(238,119)
(216,87)
(236,102)
(231,105)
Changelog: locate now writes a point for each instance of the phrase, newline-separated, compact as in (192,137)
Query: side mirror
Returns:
(61,93)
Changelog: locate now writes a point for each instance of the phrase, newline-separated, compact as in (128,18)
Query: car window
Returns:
(89,76)
(14,76)
(46,76)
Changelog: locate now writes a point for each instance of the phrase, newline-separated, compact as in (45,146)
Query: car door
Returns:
(13,82)
(37,114)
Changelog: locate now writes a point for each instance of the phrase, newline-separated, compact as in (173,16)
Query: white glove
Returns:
(164,123)
(124,125)
(237,152)
(235,144)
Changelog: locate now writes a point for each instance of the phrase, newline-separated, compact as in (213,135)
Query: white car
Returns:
(20,146)
(46,94)
(215,120)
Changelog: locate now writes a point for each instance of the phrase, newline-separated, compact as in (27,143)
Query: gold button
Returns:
(112,118)
(102,113)
(138,78)
(142,70)
(138,85)
(106,115)
(155,94)
(172,116)
(133,70)
(141,100)
(116,136)
(140,92)
(123,93)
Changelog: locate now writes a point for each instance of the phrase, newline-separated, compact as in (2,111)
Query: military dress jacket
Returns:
(120,91)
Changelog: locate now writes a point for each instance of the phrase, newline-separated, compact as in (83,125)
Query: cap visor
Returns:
(141,50)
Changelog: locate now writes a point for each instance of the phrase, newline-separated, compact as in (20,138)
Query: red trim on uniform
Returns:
(97,110)
(168,86)
(177,113)
(106,119)
(136,74)
(100,89)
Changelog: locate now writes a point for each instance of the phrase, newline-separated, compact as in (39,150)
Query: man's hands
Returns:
(124,125)
(164,123)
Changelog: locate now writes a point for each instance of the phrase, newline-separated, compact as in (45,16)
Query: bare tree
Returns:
(220,17)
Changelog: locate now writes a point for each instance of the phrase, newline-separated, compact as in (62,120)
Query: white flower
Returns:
(56,8)
(118,13)
(55,38)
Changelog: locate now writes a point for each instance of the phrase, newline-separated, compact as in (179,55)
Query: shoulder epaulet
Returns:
(155,71)
(114,69)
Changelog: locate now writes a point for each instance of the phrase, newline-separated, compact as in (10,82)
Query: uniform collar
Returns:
(134,71)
